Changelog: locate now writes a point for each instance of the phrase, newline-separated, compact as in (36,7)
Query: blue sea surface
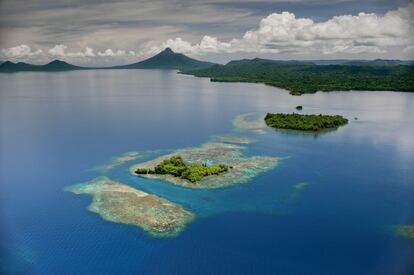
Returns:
(55,127)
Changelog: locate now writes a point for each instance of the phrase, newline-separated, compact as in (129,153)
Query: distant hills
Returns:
(54,66)
(258,61)
(167,59)
(378,62)
(347,62)
(361,62)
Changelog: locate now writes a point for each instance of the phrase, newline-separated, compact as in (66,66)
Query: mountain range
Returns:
(54,66)
(168,59)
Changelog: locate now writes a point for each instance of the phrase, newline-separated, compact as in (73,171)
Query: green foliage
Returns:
(193,172)
(174,166)
(143,171)
(306,77)
(304,122)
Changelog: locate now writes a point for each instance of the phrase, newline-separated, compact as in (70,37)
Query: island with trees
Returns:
(304,122)
(176,167)
(208,166)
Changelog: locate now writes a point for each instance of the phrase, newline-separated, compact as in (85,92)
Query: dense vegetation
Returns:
(304,122)
(306,77)
(193,172)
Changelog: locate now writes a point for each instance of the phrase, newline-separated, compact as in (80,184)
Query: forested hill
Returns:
(306,77)
(53,66)
(168,59)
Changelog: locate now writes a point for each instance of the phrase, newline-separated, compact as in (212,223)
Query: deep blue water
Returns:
(56,126)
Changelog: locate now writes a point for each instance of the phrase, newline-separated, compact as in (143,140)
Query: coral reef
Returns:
(118,202)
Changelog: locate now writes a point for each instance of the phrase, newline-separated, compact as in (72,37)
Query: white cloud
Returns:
(111,53)
(89,52)
(207,44)
(60,51)
(19,52)
(283,32)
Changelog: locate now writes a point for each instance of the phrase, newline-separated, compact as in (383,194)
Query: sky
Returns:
(99,32)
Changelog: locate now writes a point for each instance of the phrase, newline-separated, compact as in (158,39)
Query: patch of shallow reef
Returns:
(118,161)
(250,121)
(296,192)
(233,139)
(121,203)
(403,230)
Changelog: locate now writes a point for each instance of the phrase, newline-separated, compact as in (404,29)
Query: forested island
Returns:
(208,166)
(176,167)
(306,77)
(304,122)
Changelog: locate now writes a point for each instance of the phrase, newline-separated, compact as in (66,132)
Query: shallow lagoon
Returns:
(55,127)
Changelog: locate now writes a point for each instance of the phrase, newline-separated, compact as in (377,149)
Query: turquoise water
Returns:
(55,127)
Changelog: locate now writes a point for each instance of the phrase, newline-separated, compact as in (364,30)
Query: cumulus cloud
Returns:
(89,52)
(119,53)
(60,51)
(19,52)
(284,32)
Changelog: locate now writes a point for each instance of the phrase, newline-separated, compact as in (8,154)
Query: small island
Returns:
(176,167)
(209,166)
(301,122)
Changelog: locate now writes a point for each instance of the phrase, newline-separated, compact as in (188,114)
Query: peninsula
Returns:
(300,77)
(304,122)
